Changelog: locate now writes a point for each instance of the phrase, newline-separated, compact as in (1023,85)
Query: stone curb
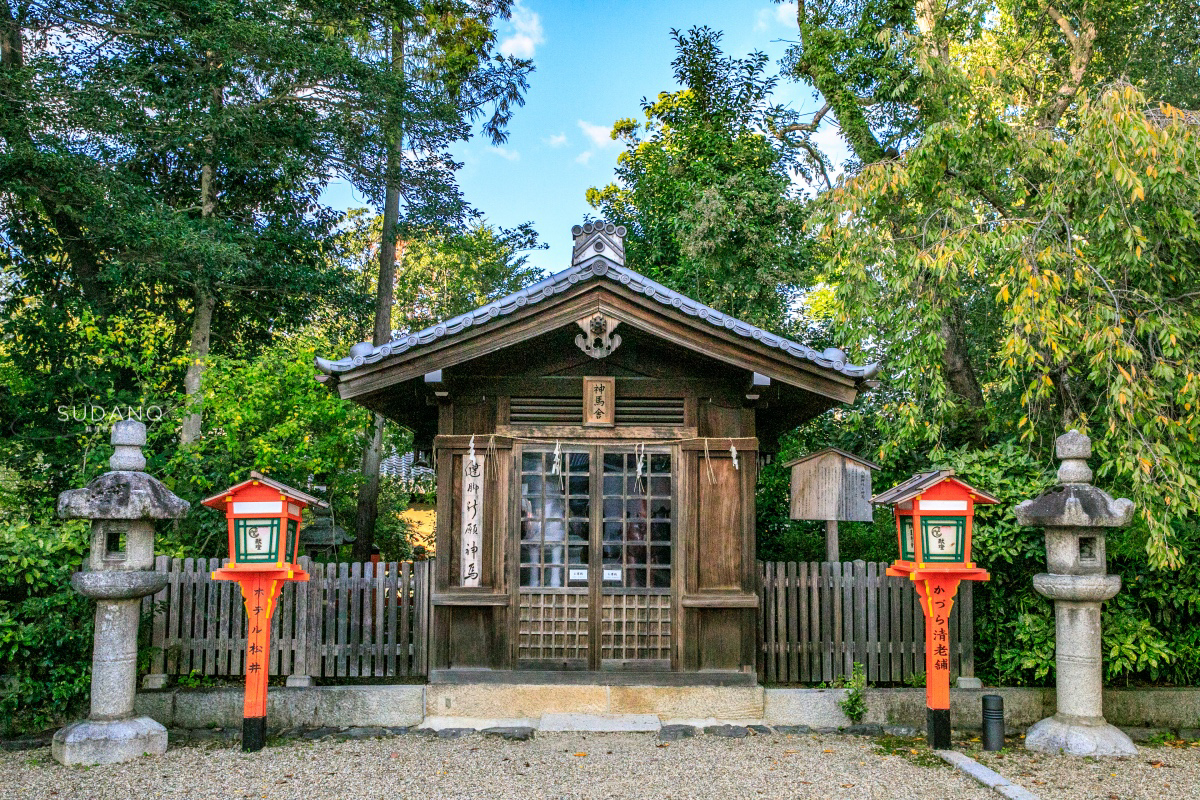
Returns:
(987,777)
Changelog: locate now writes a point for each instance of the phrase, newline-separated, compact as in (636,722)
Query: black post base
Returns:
(937,726)
(254,734)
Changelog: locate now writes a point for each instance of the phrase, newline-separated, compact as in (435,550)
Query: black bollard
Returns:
(993,722)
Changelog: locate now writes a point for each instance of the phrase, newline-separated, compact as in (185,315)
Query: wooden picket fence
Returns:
(818,618)
(348,620)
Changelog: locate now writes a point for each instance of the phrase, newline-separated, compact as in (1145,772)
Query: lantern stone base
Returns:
(1078,736)
(90,742)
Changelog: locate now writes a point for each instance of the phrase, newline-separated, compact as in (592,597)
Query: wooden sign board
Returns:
(599,402)
(831,485)
(472,520)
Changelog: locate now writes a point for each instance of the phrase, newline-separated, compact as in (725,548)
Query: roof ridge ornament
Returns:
(598,339)
(598,238)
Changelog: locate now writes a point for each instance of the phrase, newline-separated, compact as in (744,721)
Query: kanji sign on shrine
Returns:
(264,520)
(934,512)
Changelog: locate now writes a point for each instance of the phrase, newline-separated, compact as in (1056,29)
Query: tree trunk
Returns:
(193,381)
(368,495)
(956,363)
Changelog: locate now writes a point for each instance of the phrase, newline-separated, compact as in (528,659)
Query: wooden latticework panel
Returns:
(552,626)
(635,627)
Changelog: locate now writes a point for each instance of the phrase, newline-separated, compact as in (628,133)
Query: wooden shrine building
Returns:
(596,438)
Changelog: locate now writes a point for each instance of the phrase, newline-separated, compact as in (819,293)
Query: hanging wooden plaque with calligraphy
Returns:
(599,402)
(471,561)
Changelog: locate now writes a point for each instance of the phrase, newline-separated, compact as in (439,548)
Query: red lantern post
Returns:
(264,545)
(934,513)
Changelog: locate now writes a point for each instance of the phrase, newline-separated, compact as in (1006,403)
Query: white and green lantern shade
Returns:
(257,540)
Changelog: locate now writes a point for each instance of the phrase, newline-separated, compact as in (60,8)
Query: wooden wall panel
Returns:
(719,522)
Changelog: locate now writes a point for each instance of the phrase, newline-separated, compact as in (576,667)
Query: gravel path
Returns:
(552,766)
(1155,773)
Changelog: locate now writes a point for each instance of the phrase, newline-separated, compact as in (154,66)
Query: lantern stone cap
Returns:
(217,501)
(122,495)
(839,451)
(1075,503)
(125,492)
(923,482)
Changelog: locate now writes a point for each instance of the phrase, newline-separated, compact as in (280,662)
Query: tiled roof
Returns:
(598,268)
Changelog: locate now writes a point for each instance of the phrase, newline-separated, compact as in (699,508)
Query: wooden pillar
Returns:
(831,540)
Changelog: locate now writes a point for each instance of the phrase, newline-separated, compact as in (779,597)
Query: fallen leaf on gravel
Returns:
(828,751)
(663,744)
(847,785)
(580,755)
(1155,764)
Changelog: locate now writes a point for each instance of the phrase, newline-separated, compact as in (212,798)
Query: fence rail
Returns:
(818,618)
(348,620)
(372,620)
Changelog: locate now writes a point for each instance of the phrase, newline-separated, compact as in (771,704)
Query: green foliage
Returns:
(854,705)
(705,195)
(45,628)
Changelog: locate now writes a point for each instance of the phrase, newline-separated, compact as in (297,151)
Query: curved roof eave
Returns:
(597,268)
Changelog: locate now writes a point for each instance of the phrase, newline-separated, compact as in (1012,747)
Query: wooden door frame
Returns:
(596,450)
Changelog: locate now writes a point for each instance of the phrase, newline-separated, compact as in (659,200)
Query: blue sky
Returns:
(595,62)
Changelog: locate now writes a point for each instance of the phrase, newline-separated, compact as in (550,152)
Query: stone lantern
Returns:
(122,505)
(1075,514)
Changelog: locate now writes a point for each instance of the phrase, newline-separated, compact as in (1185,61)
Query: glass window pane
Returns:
(580,462)
(578,531)
(635,554)
(660,578)
(660,555)
(660,531)
(578,484)
(529,553)
(579,507)
(612,484)
(635,531)
(531,462)
(577,555)
(660,486)
(613,462)
(612,531)
(612,508)
(530,576)
(660,508)
(552,577)
(660,462)
(554,554)
(635,509)
(635,578)
(612,554)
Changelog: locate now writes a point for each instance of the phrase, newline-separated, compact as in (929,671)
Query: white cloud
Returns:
(556,139)
(780,14)
(505,153)
(526,33)
(600,135)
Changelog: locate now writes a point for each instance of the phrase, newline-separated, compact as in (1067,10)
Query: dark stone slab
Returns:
(759,730)
(1189,733)
(28,742)
(513,734)
(368,732)
(900,730)
(673,733)
(454,733)
(864,730)
(399,730)
(794,730)
(727,731)
(1146,734)
(319,733)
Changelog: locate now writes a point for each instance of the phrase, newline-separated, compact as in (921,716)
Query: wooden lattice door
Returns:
(595,553)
